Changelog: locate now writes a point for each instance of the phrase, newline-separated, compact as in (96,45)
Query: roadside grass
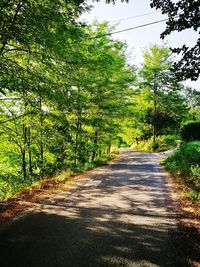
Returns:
(163,143)
(184,180)
(38,191)
(184,167)
(17,188)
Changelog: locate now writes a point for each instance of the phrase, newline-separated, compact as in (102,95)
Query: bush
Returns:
(155,146)
(185,163)
(167,142)
(194,195)
(191,131)
(184,158)
(195,172)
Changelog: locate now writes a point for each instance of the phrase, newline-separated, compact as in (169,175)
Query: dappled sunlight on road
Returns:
(120,217)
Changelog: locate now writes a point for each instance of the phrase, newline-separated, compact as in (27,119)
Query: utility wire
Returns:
(129,29)
(134,17)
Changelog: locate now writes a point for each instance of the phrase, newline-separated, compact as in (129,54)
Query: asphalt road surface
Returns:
(120,217)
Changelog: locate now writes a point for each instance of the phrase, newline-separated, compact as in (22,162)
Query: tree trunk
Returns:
(23,153)
(109,148)
(41,141)
(95,145)
(29,151)
(24,130)
(76,147)
(155,107)
(78,128)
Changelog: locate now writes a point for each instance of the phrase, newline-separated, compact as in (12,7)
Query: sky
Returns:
(135,13)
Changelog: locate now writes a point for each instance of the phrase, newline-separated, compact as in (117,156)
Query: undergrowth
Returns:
(11,184)
(185,163)
(162,143)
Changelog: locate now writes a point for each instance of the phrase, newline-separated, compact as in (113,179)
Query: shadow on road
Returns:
(121,222)
(63,241)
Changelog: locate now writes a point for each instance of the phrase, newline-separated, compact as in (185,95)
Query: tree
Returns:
(66,104)
(192,98)
(167,107)
(183,15)
(35,35)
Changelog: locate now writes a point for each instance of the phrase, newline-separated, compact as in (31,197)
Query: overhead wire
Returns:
(129,29)
(134,17)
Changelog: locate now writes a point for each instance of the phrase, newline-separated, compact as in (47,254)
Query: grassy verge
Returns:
(13,185)
(162,143)
(184,180)
(46,188)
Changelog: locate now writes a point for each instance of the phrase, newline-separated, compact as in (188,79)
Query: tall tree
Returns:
(158,77)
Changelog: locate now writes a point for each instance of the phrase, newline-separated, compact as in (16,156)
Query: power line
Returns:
(129,29)
(133,17)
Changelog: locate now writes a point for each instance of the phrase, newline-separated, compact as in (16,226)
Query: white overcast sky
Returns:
(141,38)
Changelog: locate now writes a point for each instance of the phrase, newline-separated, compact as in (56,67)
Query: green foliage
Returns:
(62,92)
(166,107)
(186,156)
(11,184)
(163,143)
(195,174)
(182,15)
(159,104)
(185,163)
(67,97)
(194,195)
(155,146)
(191,131)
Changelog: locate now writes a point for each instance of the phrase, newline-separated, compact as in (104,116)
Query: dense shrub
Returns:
(191,131)
(155,146)
(185,162)
(184,158)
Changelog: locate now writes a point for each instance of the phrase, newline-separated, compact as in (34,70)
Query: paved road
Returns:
(118,218)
